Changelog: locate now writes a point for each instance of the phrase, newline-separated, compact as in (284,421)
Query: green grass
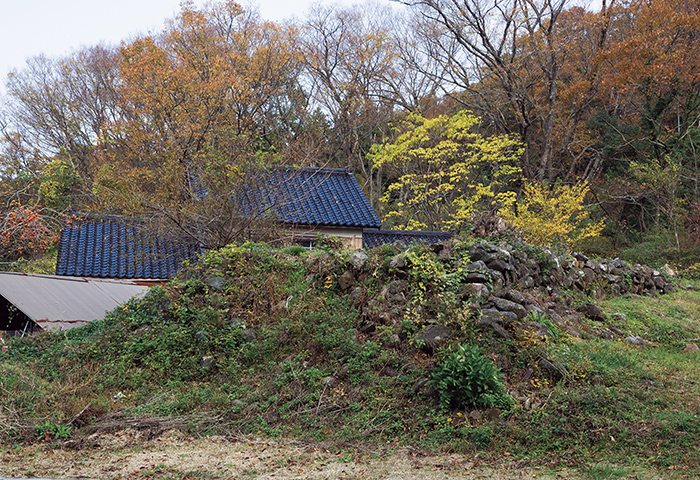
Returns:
(601,471)
(315,372)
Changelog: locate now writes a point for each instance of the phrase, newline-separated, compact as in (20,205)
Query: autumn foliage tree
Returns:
(554,216)
(446,171)
(654,66)
(647,116)
(605,98)
(196,119)
(24,233)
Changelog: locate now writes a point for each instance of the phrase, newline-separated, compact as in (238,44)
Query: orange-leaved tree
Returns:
(24,233)
(195,122)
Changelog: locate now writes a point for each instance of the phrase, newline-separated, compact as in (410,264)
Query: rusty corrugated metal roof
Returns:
(61,303)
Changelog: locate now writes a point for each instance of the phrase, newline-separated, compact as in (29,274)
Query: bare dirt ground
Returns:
(127,455)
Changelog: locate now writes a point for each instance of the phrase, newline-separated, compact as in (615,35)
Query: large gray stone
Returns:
(477,277)
(207,362)
(635,340)
(397,286)
(500,317)
(499,265)
(201,336)
(515,296)
(215,282)
(592,311)
(249,335)
(328,381)
(434,335)
(358,259)
(478,252)
(496,328)
(500,323)
(508,306)
(476,292)
(398,261)
(346,280)
(477,266)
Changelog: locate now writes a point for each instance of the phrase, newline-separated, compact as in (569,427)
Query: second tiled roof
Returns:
(115,248)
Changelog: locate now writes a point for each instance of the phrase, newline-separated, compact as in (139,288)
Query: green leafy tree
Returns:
(660,182)
(59,183)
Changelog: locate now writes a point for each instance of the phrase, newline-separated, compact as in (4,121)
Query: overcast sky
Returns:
(55,28)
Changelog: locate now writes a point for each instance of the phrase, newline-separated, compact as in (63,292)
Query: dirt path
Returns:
(125,455)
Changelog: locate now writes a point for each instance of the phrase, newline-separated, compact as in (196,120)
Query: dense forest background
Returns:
(580,128)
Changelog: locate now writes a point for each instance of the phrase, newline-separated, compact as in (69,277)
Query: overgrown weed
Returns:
(275,345)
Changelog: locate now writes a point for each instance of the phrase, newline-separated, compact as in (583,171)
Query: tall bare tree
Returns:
(60,108)
(503,60)
(354,78)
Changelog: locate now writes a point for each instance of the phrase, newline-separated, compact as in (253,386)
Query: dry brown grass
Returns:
(129,454)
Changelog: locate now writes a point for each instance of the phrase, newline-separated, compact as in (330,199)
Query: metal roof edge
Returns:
(78,278)
(69,278)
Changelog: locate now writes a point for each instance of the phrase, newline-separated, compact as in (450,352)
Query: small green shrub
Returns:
(329,243)
(465,378)
(296,250)
(691,272)
(481,436)
(658,248)
(52,430)
(543,319)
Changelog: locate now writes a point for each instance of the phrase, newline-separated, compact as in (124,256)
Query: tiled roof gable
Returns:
(319,196)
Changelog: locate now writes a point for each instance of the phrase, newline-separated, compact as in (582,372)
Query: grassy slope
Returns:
(619,404)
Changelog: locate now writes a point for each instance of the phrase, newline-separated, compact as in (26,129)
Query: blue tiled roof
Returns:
(375,238)
(318,196)
(114,248)
(303,196)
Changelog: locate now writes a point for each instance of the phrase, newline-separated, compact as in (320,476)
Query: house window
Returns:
(307,243)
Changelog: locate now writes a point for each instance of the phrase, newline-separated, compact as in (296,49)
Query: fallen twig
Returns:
(78,415)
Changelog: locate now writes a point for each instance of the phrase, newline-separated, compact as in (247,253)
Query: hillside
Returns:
(473,347)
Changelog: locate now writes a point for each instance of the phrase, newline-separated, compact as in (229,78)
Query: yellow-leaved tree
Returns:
(551,216)
(445,170)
